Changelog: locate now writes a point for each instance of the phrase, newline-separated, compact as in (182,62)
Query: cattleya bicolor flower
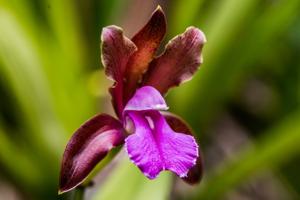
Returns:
(154,139)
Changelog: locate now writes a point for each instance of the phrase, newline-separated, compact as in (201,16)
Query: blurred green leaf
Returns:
(18,162)
(127,182)
(20,64)
(222,70)
(183,14)
(280,144)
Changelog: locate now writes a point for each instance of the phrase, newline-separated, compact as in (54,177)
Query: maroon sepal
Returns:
(116,49)
(147,41)
(88,146)
(179,62)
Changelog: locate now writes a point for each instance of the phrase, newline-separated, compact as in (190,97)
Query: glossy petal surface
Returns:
(147,41)
(89,144)
(179,125)
(178,63)
(155,146)
(146,98)
(116,51)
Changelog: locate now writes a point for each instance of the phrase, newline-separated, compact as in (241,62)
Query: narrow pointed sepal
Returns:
(179,62)
(179,125)
(147,41)
(88,146)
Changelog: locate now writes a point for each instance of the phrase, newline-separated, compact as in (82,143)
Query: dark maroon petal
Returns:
(89,144)
(178,63)
(179,125)
(147,41)
(116,51)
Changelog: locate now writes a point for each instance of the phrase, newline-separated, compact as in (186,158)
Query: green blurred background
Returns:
(243,103)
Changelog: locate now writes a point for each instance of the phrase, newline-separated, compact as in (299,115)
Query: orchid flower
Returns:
(154,139)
